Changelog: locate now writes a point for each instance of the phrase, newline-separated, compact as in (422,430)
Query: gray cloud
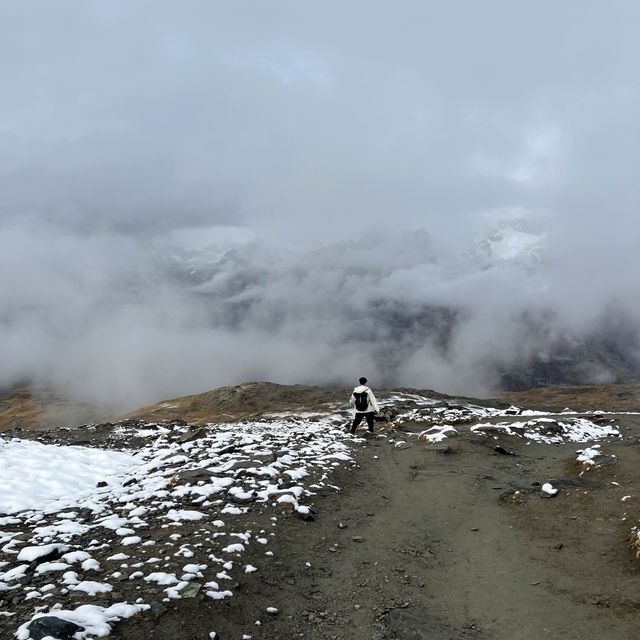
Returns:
(127,127)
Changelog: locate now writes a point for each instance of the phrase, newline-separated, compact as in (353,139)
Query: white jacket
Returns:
(373,403)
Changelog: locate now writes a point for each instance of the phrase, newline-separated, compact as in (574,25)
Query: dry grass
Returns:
(31,409)
(19,409)
(245,400)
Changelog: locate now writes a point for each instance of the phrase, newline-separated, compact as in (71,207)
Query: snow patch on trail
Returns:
(437,434)
(443,419)
(418,409)
(588,456)
(553,431)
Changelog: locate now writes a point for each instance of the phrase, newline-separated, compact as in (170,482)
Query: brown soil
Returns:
(614,397)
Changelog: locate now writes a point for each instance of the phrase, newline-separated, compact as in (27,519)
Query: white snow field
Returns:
(48,477)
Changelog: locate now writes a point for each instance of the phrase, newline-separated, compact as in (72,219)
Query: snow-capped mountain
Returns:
(516,241)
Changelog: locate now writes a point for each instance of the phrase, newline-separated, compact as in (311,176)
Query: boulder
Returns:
(50,626)
(194,475)
(195,434)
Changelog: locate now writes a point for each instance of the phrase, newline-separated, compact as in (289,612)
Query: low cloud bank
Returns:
(117,319)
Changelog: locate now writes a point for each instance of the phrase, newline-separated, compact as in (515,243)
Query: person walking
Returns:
(365,404)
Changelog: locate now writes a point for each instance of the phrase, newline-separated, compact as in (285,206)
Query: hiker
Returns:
(365,404)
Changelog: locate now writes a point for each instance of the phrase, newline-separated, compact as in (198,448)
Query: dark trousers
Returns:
(358,419)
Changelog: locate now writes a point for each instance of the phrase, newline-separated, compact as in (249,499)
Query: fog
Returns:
(355,158)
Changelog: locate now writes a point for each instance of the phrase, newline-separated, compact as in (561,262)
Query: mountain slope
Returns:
(458,518)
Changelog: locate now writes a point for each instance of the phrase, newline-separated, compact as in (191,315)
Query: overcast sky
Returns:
(142,116)
(308,123)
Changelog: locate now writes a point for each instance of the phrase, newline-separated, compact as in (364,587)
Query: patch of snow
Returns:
(437,434)
(178,515)
(48,477)
(162,578)
(93,619)
(588,456)
(92,588)
(29,554)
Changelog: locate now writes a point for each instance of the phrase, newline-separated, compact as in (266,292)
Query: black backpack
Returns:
(362,400)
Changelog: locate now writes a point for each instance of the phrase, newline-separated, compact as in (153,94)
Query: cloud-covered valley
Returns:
(438,196)
(132,321)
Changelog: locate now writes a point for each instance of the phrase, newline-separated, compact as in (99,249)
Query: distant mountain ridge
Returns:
(391,296)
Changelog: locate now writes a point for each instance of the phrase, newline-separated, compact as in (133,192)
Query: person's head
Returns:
(362,380)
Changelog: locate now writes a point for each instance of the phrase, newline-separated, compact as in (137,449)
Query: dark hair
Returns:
(362,380)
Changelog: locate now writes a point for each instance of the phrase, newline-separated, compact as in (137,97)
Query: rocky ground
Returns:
(456,520)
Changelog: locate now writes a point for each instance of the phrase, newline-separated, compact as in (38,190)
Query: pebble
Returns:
(191,590)
(502,450)
(357,538)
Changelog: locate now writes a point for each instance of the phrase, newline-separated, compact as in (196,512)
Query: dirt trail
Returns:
(442,556)
(425,545)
